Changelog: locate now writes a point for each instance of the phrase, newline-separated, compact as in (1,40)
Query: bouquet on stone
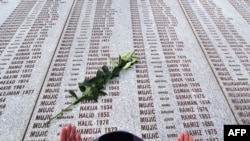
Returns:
(91,89)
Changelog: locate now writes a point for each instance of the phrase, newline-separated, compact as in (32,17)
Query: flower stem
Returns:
(59,114)
(91,88)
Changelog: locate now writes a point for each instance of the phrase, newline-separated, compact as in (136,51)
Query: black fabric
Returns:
(119,136)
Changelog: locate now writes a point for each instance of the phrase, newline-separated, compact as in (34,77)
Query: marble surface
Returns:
(192,74)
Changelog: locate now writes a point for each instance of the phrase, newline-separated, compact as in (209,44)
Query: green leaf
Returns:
(82,87)
(86,82)
(99,74)
(100,85)
(95,93)
(122,63)
(134,60)
(112,62)
(105,69)
(87,91)
(107,77)
(73,94)
(127,65)
(126,55)
(94,80)
(116,71)
(102,93)
(119,59)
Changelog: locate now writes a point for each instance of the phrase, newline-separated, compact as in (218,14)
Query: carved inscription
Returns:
(188,93)
(51,89)
(97,57)
(229,56)
(148,124)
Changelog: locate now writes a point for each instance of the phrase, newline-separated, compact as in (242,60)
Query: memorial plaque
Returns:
(221,30)
(192,74)
(28,40)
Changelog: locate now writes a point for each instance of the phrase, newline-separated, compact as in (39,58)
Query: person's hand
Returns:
(69,133)
(184,137)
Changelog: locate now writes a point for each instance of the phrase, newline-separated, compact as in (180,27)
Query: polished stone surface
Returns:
(192,74)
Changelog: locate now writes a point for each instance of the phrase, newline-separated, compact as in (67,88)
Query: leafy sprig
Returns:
(91,89)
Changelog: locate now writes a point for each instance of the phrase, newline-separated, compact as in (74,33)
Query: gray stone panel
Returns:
(192,73)
(221,29)
(29,37)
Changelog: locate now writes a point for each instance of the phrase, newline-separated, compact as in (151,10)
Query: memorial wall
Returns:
(192,72)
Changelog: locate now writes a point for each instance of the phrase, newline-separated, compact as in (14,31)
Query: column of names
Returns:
(98,52)
(149,129)
(227,52)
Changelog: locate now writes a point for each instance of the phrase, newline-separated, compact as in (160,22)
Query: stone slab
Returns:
(192,72)
(29,36)
(221,29)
